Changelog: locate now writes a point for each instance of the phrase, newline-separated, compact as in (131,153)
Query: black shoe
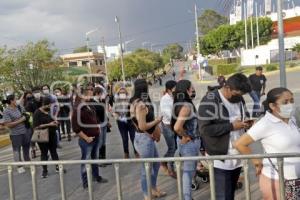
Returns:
(100,179)
(44,174)
(69,137)
(85,186)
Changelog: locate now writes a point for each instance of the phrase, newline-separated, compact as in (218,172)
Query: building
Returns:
(112,52)
(96,60)
(269,53)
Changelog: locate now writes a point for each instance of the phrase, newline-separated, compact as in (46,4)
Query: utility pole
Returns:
(283,82)
(104,56)
(246,29)
(198,42)
(121,48)
(257,27)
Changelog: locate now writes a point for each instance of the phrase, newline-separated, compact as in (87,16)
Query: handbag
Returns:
(40,135)
(292,187)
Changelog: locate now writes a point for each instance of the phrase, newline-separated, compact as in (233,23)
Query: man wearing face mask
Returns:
(222,115)
(166,107)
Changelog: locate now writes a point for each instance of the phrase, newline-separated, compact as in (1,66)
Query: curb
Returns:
(4,141)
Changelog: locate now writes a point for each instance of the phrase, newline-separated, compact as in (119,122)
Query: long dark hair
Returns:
(141,91)
(181,97)
(272,96)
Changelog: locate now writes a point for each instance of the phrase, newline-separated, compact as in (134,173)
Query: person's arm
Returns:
(8,120)
(183,115)
(15,123)
(83,136)
(264,86)
(208,113)
(141,112)
(242,145)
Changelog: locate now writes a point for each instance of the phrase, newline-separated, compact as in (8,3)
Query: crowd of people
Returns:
(221,125)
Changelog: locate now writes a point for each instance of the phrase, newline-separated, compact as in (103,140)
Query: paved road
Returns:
(49,188)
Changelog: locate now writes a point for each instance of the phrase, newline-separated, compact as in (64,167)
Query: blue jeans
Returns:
(89,151)
(145,146)
(102,136)
(255,95)
(189,149)
(225,183)
(169,137)
(125,128)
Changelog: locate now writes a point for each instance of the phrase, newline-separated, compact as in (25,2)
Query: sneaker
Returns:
(57,170)
(100,179)
(44,174)
(21,170)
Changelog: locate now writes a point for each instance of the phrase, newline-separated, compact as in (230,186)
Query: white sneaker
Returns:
(21,170)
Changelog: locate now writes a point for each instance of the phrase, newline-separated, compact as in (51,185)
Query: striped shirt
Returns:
(11,115)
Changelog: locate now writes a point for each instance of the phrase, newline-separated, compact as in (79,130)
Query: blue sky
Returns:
(65,22)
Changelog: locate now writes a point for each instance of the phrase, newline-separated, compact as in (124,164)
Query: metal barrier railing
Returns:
(147,162)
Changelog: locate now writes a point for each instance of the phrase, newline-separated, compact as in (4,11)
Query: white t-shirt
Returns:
(234,110)
(166,106)
(277,136)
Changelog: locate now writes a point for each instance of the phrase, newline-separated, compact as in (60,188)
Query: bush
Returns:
(291,65)
(271,67)
(225,69)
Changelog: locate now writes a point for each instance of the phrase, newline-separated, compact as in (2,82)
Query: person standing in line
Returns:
(222,119)
(64,102)
(43,120)
(20,135)
(278,133)
(86,126)
(166,108)
(125,125)
(258,84)
(185,124)
(147,132)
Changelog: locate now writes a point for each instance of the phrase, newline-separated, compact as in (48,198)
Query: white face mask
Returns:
(122,96)
(37,96)
(286,110)
(46,91)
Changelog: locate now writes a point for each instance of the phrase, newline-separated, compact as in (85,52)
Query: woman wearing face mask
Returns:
(185,124)
(278,133)
(43,120)
(122,114)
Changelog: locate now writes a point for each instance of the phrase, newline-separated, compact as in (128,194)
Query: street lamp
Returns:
(87,46)
(121,48)
(152,45)
(126,43)
(144,44)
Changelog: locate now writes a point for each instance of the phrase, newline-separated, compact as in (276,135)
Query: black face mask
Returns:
(235,99)
(30,98)
(193,94)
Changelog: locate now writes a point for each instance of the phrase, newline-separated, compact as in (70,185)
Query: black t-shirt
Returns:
(40,118)
(257,82)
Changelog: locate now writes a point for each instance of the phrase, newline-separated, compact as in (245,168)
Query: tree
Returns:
(210,20)
(140,62)
(296,48)
(82,49)
(232,37)
(172,51)
(32,65)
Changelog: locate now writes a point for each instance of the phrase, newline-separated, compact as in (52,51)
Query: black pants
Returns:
(225,183)
(126,128)
(65,125)
(45,147)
